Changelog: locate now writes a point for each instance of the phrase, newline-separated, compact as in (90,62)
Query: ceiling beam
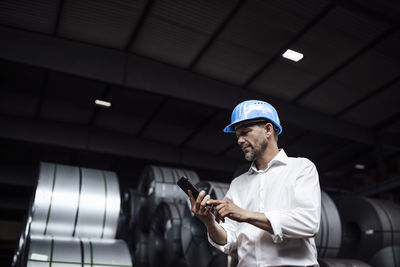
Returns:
(344,64)
(391,140)
(152,116)
(120,68)
(199,127)
(288,45)
(341,159)
(82,137)
(368,96)
(42,93)
(139,24)
(387,186)
(215,35)
(58,18)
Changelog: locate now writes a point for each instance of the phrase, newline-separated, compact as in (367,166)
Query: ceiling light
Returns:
(102,103)
(360,166)
(292,55)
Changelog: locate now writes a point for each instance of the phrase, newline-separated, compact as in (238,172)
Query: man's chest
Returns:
(271,190)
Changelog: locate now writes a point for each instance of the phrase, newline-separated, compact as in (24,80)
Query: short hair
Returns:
(263,122)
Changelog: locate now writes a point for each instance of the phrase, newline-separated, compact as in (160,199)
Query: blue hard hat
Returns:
(253,109)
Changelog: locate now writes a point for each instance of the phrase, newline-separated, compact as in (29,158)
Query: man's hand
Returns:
(226,208)
(200,208)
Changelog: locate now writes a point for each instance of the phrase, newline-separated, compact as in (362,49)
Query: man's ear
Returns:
(269,129)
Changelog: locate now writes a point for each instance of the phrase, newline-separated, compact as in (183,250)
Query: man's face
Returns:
(252,139)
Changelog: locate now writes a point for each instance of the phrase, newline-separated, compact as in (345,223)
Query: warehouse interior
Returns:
(173,70)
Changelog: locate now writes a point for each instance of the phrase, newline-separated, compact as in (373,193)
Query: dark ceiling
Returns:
(174,69)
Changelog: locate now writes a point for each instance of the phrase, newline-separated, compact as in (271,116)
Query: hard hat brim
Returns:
(231,127)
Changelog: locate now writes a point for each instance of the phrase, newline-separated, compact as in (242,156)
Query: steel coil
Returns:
(72,201)
(386,257)
(327,262)
(329,237)
(159,184)
(368,225)
(48,251)
(164,243)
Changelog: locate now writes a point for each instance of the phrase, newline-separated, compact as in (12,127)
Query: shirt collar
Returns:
(280,158)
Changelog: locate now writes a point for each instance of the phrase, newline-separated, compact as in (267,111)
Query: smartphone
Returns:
(185,184)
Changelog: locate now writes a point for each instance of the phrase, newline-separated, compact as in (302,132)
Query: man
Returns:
(272,212)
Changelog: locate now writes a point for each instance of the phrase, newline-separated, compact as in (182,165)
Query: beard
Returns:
(255,152)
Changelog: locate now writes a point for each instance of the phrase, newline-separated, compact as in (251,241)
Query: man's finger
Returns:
(219,216)
(199,199)
(215,202)
(204,201)
(220,206)
(222,211)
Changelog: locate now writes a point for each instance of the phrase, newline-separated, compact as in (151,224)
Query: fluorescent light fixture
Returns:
(292,55)
(102,103)
(360,166)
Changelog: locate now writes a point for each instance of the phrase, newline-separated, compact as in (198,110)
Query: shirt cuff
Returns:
(275,221)
(224,248)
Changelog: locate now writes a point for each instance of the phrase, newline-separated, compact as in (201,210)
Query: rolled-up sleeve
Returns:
(303,220)
(230,229)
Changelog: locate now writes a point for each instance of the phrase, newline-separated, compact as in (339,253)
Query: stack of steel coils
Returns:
(159,223)
(371,230)
(73,219)
(169,234)
(77,213)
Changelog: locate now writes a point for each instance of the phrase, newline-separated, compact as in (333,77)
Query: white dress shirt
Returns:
(288,193)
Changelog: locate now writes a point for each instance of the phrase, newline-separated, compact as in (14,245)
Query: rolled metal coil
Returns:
(386,257)
(75,202)
(327,262)
(329,237)
(48,251)
(159,184)
(368,225)
(164,243)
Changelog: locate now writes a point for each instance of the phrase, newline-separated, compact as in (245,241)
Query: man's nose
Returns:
(240,140)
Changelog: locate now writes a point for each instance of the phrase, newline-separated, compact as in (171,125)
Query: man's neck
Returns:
(269,153)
